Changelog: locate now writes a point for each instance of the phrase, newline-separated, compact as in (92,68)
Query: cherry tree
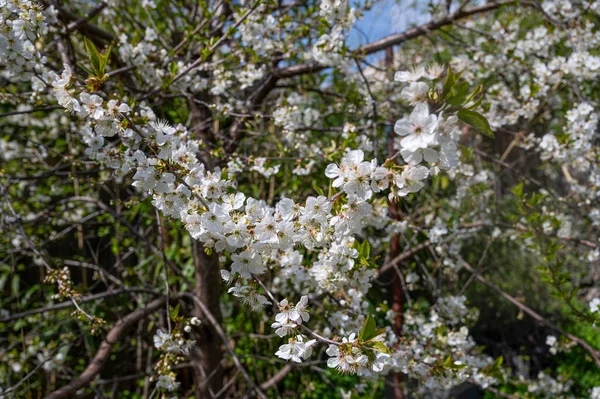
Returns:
(179,178)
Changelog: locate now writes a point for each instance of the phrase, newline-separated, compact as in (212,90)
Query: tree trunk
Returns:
(394,381)
(208,353)
(394,386)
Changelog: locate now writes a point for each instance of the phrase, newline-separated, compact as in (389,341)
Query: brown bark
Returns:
(208,353)
(207,356)
(394,387)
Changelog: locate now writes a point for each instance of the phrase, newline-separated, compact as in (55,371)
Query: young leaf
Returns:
(475,104)
(366,249)
(475,92)
(15,284)
(517,190)
(451,79)
(174,311)
(456,366)
(103,61)
(379,347)
(458,93)
(380,331)
(318,189)
(498,362)
(93,55)
(369,329)
(477,121)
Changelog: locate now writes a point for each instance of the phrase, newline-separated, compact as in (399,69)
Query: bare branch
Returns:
(68,304)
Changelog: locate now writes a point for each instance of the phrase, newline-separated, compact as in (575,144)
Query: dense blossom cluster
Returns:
(21,24)
(543,60)
(255,235)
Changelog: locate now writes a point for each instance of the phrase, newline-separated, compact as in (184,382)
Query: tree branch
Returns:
(103,353)
(74,22)
(536,316)
(402,256)
(393,40)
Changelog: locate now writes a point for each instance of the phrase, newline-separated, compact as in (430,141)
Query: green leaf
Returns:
(474,105)
(380,331)
(93,55)
(3,279)
(97,59)
(450,364)
(103,61)
(535,199)
(517,190)
(447,362)
(364,249)
(86,69)
(563,138)
(369,329)
(458,94)
(379,347)
(174,312)
(318,189)
(30,292)
(477,121)
(173,68)
(451,79)
(18,324)
(475,92)
(499,360)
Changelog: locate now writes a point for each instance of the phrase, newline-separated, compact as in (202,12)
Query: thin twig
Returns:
(103,353)
(31,111)
(526,309)
(211,318)
(67,304)
(32,372)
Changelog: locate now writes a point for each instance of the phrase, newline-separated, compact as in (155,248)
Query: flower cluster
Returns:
(287,322)
(64,284)
(172,343)
(290,316)
(297,349)
(558,345)
(424,136)
(351,357)
(174,347)
(21,24)
(549,387)
(255,235)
